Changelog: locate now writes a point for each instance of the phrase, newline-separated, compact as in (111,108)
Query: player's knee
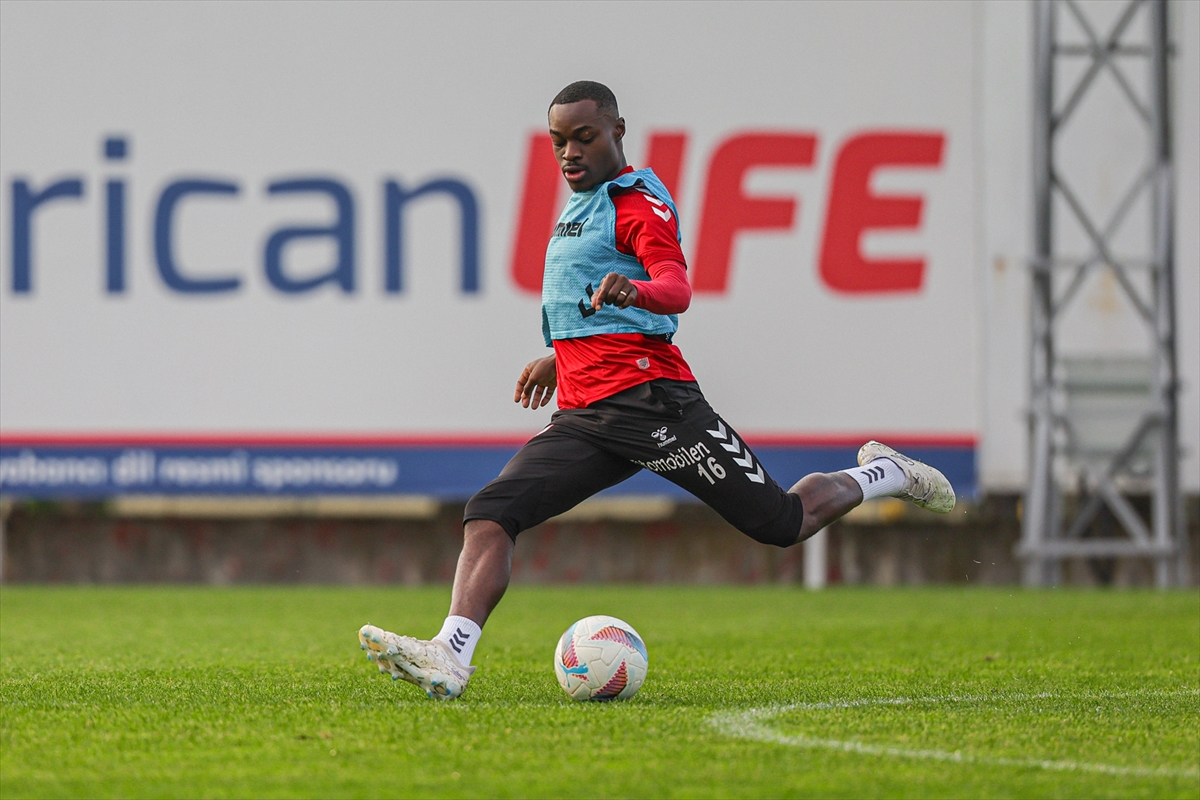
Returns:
(484,529)
(784,529)
(483,510)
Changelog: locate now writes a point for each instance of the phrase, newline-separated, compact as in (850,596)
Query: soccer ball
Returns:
(600,658)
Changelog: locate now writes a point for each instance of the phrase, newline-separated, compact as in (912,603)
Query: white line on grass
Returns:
(752,724)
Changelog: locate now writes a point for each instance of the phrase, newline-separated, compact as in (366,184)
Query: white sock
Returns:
(880,478)
(460,635)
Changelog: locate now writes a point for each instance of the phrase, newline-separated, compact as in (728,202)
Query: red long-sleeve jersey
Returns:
(592,368)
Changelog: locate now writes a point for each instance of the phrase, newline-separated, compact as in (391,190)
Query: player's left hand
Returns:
(536,385)
(615,290)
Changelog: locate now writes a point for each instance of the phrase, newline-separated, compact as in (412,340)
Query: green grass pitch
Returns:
(752,692)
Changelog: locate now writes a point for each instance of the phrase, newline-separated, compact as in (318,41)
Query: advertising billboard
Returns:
(287,249)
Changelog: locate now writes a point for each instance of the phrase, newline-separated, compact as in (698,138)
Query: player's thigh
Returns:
(552,473)
(711,461)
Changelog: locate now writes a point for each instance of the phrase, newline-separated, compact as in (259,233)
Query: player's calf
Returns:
(826,497)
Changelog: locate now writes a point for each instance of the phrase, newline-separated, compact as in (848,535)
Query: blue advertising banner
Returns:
(445,471)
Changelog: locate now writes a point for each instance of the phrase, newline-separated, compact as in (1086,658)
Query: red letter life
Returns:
(544,184)
(539,210)
(853,210)
(727,210)
(664,155)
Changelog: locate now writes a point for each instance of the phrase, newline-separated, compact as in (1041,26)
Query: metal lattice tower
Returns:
(1104,426)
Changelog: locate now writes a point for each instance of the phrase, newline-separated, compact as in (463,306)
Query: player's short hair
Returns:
(587,90)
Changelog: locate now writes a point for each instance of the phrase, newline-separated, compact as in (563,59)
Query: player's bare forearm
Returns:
(537,383)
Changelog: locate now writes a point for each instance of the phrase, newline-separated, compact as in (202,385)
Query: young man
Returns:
(614,282)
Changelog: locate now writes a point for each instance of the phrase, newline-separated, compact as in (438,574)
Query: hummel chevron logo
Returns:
(733,446)
(663,212)
(458,640)
(585,308)
(755,472)
(874,474)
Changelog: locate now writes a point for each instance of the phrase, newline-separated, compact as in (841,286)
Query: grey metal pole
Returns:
(1168,517)
(5,507)
(816,559)
(1038,502)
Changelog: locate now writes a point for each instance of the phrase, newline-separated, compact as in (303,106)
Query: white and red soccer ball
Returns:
(601,658)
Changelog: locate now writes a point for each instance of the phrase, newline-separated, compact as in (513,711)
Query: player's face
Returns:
(587,144)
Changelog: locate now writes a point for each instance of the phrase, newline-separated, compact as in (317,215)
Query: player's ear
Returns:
(619,129)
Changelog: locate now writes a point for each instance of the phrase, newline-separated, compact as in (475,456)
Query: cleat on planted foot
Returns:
(427,664)
(923,485)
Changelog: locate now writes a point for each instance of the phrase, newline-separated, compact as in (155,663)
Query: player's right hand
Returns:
(537,383)
(615,289)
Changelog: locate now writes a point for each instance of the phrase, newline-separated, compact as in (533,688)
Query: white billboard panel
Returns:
(282,248)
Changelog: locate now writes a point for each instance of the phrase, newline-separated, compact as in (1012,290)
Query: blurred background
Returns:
(269,271)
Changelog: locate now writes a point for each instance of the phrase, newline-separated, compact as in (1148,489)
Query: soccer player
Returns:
(614,281)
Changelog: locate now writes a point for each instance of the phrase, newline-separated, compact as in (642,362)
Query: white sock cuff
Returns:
(880,478)
(460,635)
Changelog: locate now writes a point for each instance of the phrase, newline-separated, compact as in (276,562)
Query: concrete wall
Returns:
(883,544)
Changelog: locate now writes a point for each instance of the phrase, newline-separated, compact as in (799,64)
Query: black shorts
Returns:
(663,426)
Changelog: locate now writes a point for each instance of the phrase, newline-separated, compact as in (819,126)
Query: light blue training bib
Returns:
(582,251)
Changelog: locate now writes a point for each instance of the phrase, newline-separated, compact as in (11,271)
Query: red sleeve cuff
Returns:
(667,291)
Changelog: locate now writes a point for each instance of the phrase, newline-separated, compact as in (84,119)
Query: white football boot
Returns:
(923,485)
(428,664)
